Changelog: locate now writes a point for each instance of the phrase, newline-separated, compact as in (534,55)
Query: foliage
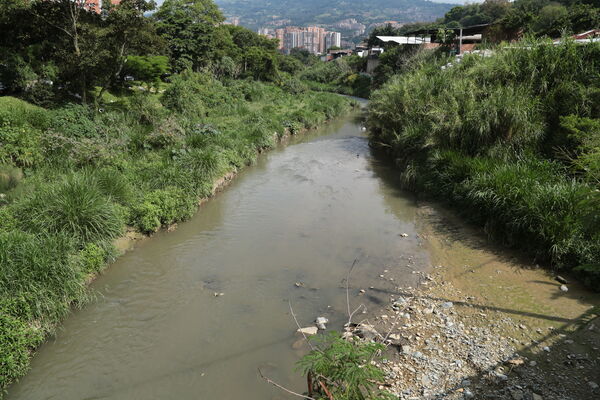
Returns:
(163,207)
(513,140)
(148,69)
(74,206)
(344,367)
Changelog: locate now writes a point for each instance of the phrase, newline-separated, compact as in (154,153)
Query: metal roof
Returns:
(405,39)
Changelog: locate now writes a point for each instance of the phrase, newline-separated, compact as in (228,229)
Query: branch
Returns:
(299,327)
(348,291)
(282,388)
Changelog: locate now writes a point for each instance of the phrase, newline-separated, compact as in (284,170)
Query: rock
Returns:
(219,294)
(309,331)
(298,284)
(321,321)
(500,376)
(532,363)
(546,349)
(406,349)
(448,304)
(465,383)
(366,332)
(593,385)
(404,234)
(560,279)
(564,288)
(468,394)
(362,291)
(535,396)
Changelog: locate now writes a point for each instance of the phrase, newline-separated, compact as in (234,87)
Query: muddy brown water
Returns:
(302,214)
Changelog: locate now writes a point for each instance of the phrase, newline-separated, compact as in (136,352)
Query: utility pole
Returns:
(460,41)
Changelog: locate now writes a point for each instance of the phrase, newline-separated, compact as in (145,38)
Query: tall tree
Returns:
(190,29)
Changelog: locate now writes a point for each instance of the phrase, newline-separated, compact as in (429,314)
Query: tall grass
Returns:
(510,139)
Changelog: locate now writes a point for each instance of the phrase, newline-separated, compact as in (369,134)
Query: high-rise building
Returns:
(312,38)
(333,39)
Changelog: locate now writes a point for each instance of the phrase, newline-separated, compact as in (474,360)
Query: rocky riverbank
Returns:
(484,324)
(442,349)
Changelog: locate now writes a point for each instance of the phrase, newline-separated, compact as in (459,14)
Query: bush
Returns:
(20,145)
(17,341)
(344,367)
(163,207)
(74,206)
(74,121)
(9,177)
(15,112)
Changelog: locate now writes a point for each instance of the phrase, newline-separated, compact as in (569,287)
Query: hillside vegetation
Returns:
(257,13)
(511,140)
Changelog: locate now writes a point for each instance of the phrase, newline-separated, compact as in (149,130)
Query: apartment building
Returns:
(313,38)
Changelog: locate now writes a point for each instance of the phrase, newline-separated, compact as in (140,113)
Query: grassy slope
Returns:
(513,141)
(141,163)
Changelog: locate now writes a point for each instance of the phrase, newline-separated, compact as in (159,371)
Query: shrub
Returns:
(75,206)
(17,341)
(167,133)
(9,177)
(163,207)
(94,256)
(344,367)
(20,145)
(74,121)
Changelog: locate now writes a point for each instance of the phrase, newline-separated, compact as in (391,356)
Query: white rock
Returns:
(564,288)
(447,304)
(309,331)
(593,385)
(321,321)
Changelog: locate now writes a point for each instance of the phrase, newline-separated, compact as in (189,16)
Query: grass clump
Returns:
(74,206)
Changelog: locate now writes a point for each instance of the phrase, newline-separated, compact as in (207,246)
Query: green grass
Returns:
(511,140)
(71,180)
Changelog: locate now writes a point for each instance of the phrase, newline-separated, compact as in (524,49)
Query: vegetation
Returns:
(341,369)
(260,13)
(511,140)
(510,19)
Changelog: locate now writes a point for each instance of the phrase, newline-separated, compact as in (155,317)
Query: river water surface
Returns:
(302,214)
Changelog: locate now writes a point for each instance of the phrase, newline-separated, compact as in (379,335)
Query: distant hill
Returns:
(254,14)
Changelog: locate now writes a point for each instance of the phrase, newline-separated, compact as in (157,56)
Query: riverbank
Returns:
(486,324)
(144,163)
(499,140)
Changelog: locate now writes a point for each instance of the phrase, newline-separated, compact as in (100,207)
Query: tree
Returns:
(190,30)
(147,69)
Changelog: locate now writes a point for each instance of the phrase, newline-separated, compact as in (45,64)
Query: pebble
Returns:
(447,304)
(564,288)
(546,349)
(593,385)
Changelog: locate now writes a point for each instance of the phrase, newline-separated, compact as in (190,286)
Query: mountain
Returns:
(255,14)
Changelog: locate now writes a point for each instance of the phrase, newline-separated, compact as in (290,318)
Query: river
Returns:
(159,328)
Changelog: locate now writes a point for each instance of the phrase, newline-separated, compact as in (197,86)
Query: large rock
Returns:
(308,331)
